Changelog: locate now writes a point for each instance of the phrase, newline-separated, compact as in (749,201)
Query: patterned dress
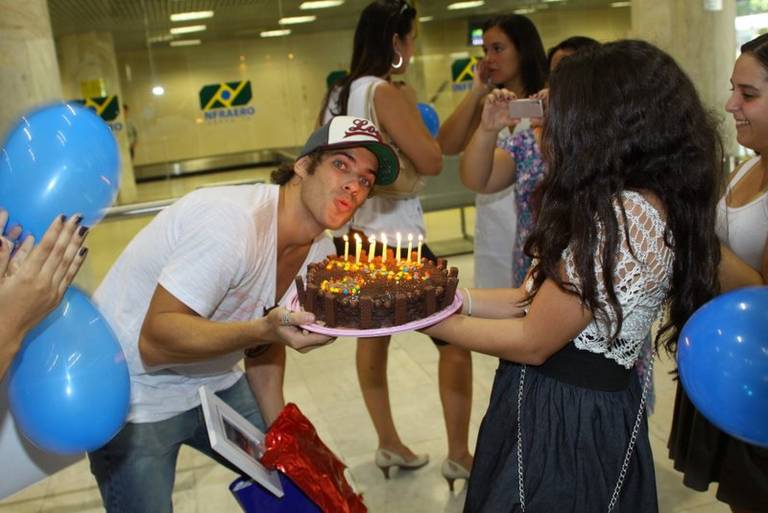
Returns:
(524,150)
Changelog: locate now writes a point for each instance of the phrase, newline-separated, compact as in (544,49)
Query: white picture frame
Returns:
(237,440)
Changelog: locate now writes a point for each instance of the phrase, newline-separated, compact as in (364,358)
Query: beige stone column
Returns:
(29,74)
(86,60)
(702,41)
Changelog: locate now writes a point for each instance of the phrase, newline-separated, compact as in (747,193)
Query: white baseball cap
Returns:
(350,132)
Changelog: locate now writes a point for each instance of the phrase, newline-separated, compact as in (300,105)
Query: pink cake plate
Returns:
(293,304)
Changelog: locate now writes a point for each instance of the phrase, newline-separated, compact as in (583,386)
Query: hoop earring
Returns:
(399,63)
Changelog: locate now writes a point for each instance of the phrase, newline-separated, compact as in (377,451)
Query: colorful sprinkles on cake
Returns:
(401,271)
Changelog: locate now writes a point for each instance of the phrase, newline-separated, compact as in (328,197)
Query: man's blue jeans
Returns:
(136,469)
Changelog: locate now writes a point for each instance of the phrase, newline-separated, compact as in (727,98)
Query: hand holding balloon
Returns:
(33,280)
(68,385)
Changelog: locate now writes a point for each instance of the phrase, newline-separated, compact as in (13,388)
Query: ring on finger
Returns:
(286,320)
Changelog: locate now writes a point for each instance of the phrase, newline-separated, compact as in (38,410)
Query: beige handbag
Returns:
(409,183)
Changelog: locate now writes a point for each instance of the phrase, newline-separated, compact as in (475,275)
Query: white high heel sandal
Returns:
(452,471)
(386,459)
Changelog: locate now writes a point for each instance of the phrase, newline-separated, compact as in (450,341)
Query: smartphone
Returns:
(528,108)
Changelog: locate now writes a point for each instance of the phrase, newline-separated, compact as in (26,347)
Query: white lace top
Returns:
(641,282)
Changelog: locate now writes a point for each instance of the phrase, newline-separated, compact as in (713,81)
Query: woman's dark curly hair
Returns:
(372,52)
(625,116)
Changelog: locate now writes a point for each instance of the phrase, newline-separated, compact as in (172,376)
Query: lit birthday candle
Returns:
(371,248)
(410,248)
(418,251)
(399,239)
(384,247)
(358,248)
(346,247)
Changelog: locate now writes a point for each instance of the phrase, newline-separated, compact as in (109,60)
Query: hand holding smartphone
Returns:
(526,108)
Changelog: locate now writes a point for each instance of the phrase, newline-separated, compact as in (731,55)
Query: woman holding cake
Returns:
(383,47)
(495,160)
(626,229)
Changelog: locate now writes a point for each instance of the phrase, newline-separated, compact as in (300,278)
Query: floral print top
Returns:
(530,170)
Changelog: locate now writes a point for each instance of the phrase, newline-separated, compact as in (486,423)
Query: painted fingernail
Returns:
(78,219)
(83,252)
(82,231)
(62,218)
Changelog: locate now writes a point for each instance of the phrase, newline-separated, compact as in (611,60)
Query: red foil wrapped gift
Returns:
(293,447)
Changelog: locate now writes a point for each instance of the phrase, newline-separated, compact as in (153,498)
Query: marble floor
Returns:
(324,385)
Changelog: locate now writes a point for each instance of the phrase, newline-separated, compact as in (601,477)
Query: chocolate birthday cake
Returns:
(376,294)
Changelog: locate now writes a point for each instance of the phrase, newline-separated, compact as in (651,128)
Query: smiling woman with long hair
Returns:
(700,450)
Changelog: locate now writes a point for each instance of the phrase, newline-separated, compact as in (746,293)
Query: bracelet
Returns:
(469,302)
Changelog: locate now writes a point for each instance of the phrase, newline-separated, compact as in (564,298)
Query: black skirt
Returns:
(577,415)
(704,454)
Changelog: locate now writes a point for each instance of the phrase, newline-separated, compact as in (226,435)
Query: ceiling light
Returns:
(320,4)
(293,20)
(186,42)
(465,5)
(188,29)
(621,4)
(525,10)
(425,19)
(195,15)
(158,90)
(275,33)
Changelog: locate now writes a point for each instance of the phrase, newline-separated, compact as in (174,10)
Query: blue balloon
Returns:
(69,387)
(60,159)
(430,118)
(723,359)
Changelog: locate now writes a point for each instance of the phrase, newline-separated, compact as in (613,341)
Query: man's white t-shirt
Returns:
(215,251)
